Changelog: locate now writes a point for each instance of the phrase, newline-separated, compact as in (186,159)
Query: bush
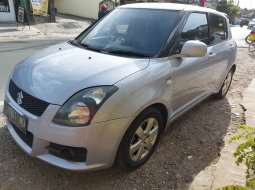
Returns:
(245,153)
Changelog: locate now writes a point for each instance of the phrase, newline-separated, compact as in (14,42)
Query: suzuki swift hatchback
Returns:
(106,96)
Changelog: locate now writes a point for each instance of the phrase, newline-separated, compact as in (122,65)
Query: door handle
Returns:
(211,54)
(231,47)
(169,81)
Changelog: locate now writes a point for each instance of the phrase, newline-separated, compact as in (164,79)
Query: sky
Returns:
(249,4)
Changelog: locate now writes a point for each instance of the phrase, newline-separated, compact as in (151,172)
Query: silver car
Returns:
(107,96)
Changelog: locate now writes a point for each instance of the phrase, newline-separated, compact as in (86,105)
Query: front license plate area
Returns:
(19,120)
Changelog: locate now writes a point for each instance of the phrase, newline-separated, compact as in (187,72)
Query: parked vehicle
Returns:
(107,96)
(251,24)
(250,38)
(244,21)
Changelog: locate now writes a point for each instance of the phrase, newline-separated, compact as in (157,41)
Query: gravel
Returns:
(192,143)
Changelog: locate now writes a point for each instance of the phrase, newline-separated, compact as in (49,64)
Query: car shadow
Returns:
(189,145)
(194,141)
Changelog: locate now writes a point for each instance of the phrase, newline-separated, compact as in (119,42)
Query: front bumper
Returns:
(101,140)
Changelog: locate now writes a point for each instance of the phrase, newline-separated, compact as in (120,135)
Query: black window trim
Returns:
(167,49)
(177,36)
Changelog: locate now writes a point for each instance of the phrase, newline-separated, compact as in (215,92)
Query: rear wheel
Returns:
(225,86)
(247,39)
(140,140)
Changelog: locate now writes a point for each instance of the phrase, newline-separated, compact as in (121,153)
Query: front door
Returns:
(191,75)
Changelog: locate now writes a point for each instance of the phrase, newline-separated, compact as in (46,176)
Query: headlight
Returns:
(81,107)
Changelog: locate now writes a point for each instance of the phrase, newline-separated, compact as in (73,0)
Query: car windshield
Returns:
(133,32)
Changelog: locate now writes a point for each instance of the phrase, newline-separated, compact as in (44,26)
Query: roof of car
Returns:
(171,6)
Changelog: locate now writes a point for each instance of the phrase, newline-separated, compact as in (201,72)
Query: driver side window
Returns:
(196,28)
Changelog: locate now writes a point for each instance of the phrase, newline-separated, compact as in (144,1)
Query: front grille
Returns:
(29,103)
(27,138)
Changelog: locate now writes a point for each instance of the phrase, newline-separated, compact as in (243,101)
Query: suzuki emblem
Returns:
(20,97)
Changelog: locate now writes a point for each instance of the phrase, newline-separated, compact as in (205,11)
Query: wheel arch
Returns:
(163,110)
(233,67)
(160,107)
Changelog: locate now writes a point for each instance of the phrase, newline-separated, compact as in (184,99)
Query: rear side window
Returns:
(196,28)
(218,29)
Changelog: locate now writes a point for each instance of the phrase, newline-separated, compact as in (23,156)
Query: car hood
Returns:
(56,73)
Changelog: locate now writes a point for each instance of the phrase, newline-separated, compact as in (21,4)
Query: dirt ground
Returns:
(191,144)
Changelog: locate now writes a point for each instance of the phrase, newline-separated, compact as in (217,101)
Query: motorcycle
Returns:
(250,39)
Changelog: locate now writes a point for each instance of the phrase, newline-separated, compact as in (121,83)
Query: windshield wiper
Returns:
(86,46)
(118,52)
(90,47)
(74,42)
(131,53)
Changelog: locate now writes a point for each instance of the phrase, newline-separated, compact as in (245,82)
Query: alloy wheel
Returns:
(144,139)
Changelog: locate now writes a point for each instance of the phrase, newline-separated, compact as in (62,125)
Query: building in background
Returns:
(83,8)
(7,12)
(44,10)
(27,11)
(90,8)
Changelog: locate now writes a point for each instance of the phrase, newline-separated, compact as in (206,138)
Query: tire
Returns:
(247,40)
(140,140)
(225,86)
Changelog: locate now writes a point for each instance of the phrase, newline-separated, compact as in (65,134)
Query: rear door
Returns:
(220,48)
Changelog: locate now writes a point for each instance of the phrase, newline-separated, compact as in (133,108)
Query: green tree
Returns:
(229,8)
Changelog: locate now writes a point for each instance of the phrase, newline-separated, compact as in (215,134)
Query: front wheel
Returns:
(225,86)
(140,140)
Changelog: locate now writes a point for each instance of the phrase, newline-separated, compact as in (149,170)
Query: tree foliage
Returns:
(229,8)
(233,187)
(245,153)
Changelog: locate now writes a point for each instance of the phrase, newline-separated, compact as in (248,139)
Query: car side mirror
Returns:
(193,48)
